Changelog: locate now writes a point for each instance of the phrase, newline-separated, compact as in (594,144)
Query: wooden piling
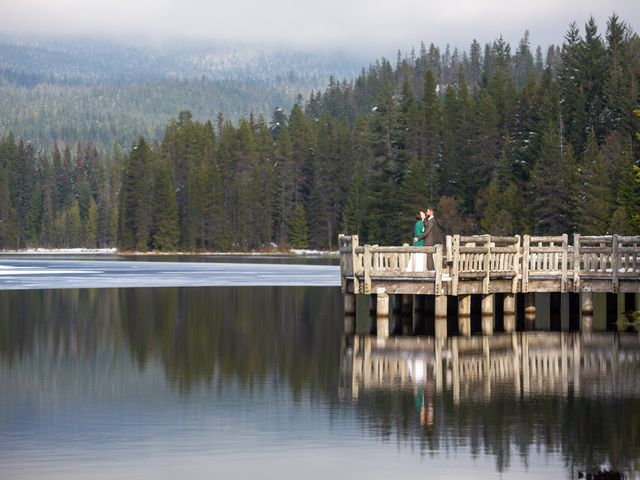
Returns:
(509,312)
(529,311)
(586,312)
(349,314)
(487,313)
(441,317)
(382,315)
(464,315)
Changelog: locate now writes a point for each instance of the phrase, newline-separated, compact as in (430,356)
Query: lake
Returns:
(259,381)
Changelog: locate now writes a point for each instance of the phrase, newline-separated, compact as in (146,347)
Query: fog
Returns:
(357,26)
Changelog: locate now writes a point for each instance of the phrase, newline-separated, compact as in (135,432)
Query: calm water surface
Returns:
(259,382)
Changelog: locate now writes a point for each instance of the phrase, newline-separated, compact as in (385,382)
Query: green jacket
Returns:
(418,230)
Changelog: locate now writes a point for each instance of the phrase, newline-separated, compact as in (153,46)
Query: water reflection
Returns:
(508,395)
(221,379)
(245,333)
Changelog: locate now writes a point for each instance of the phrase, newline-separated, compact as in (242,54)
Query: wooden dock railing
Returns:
(491,264)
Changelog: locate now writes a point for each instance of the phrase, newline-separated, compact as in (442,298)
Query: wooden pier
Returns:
(487,265)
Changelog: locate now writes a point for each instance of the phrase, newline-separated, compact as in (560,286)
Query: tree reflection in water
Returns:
(509,396)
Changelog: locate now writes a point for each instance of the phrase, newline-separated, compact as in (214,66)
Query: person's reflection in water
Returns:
(424,403)
(426,413)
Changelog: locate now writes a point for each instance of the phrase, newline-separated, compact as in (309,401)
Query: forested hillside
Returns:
(500,140)
(104,92)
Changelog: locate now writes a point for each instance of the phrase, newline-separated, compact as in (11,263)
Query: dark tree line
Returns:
(499,141)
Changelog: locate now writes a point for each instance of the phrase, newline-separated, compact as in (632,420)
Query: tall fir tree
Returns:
(595,198)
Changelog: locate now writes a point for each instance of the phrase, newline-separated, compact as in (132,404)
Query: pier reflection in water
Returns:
(259,382)
(571,393)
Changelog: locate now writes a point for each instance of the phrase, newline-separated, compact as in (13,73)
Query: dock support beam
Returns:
(487,313)
(349,314)
(586,312)
(529,311)
(509,313)
(441,316)
(464,315)
(382,315)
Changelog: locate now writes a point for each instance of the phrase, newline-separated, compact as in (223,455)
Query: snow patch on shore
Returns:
(114,251)
(61,251)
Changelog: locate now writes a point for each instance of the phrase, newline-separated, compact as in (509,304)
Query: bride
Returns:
(417,261)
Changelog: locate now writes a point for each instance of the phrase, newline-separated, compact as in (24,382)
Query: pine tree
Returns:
(430,137)
(165,232)
(571,77)
(285,185)
(73,226)
(298,229)
(595,196)
(7,229)
(91,225)
(354,214)
(502,212)
(135,199)
(549,183)
(594,65)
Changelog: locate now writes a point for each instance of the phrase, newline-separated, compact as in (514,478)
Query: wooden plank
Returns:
(595,250)
(542,239)
(514,239)
(473,250)
(377,249)
(429,275)
(586,239)
(472,238)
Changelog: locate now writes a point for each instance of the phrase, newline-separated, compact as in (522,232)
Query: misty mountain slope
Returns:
(104,92)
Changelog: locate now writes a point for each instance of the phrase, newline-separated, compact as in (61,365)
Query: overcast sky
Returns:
(364,26)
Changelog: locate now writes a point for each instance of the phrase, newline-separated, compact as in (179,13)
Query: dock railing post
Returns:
(576,262)
(517,260)
(438,265)
(525,263)
(455,267)
(487,265)
(366,260)
(355,259)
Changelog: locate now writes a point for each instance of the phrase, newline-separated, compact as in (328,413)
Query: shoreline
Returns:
(114,252)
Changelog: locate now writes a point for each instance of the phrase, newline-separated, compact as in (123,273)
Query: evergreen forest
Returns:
(499,139)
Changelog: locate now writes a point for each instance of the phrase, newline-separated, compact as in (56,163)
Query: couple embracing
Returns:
(425,233)
(425,230)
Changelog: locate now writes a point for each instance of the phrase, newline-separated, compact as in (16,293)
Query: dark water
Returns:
(259,382)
